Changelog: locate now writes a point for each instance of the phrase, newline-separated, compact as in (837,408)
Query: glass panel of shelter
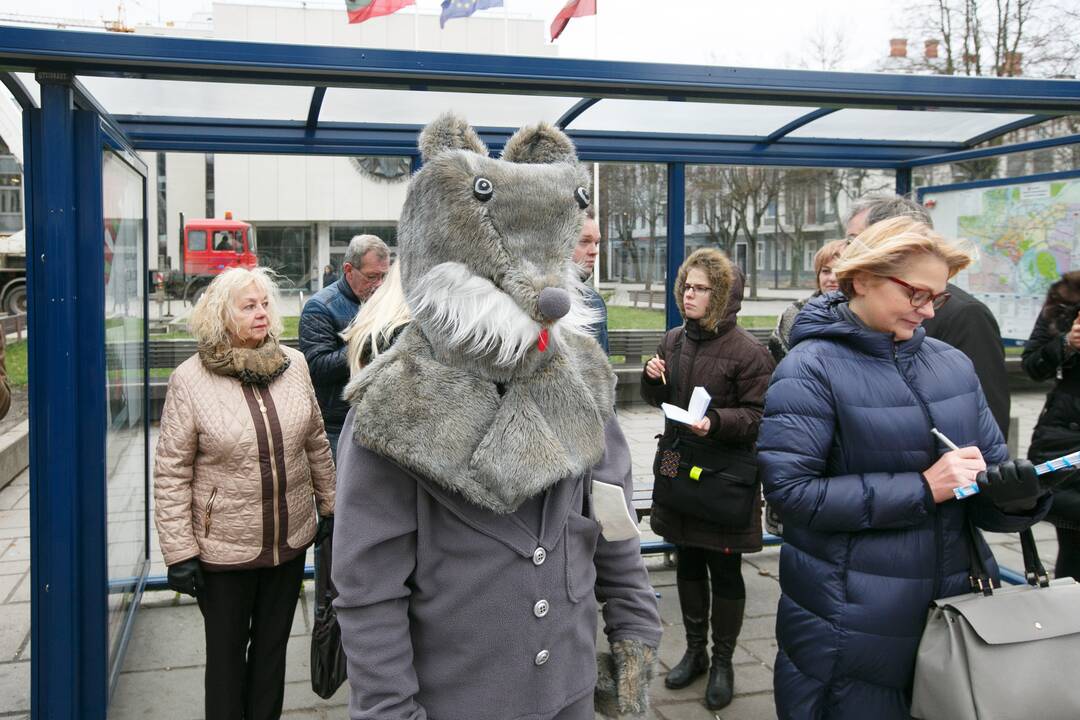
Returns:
(126,406)
(904,125)
(420,107)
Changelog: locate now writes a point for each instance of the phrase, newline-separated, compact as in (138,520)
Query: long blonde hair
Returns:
(213,321)
(383,313)
(884,249)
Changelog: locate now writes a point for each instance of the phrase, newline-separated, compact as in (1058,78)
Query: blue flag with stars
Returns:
(464,8)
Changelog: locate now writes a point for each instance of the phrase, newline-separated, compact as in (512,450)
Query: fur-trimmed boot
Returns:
(694,602)
(727,618)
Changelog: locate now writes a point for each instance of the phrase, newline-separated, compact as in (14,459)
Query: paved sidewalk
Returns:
(162,675)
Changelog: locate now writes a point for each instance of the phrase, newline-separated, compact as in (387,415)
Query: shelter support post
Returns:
(676,236)
(67,391)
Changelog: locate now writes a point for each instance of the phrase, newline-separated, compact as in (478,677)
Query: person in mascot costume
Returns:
(475,530)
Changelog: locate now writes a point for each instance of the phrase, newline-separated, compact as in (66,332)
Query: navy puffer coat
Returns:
(845,436)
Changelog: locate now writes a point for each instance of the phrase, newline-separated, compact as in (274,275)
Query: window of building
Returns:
(340,235)
(759,261)
(287,249)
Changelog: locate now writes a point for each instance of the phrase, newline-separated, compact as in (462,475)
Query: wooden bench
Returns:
(649,297)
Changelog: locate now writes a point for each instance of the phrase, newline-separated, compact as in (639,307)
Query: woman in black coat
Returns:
(709,350)
(1051,352)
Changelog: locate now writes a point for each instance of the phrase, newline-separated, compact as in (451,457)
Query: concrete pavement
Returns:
(162,675)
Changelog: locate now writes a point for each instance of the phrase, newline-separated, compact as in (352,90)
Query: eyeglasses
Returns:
(696,289)
(921,296)
(374,277)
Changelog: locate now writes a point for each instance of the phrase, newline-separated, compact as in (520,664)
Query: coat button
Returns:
(539,556)
(542,657)
(540,609)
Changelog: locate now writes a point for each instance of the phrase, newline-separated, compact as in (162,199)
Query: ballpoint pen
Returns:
(964,490)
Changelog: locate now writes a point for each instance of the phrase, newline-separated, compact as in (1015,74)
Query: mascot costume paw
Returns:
(468,551)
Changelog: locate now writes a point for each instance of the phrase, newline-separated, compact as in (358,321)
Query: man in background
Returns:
(327,313)
(963,322)
(585,252)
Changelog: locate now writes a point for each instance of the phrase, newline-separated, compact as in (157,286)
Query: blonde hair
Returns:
(383,313)
(213,321)
(825,256)
(885,248)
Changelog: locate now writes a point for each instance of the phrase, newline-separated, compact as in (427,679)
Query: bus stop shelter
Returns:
(85,181)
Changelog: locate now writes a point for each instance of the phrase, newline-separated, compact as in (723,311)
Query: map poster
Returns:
(1027,235)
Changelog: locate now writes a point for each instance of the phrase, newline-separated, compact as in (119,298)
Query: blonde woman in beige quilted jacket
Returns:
(242,465)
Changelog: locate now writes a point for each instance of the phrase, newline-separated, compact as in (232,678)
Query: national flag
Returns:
(361,10)
(572,9)
(464,8)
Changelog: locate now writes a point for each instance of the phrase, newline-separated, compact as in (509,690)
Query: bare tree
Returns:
(707,188)
(637,193)
(753,189)
(1004,38)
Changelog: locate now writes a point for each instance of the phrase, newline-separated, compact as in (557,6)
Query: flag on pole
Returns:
(361,10)
(464,8)
(572,9)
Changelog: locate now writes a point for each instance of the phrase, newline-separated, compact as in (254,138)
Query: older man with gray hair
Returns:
(327,313)
(964,322)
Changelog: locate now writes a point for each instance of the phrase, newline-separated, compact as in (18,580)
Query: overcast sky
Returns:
(771,33)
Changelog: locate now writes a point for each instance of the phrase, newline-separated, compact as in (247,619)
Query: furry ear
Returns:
(449,132)
(539,144)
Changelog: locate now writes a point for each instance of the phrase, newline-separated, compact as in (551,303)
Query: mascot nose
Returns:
(554,302)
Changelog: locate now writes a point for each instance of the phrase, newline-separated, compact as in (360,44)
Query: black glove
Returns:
(186,577)
(325,529)
(1013,486)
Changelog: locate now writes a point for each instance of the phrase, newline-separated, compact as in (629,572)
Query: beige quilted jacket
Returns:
(237,466)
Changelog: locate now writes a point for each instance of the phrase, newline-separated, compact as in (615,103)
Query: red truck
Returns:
(209,247)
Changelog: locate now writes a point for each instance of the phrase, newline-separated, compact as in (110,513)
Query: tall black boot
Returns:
(694,602)
(727,617)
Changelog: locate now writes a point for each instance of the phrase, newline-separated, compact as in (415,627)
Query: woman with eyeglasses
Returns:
(825,279)
(1053,351)
(706,498)
(874,507)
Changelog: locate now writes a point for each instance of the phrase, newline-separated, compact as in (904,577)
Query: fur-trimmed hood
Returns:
(727,282)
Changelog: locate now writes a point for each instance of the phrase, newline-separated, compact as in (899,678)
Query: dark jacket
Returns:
(780,340)
(844,442)
(598,329)
(734,368)
(1057,432)
(433,631)
(324,317)
(968,325)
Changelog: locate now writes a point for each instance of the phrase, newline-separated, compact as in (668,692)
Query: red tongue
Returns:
(542,341)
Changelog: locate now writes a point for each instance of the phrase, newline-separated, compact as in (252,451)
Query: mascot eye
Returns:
(482,189)
(582,197)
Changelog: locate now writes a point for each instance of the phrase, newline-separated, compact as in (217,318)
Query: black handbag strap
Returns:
(673,379)
(1034,572)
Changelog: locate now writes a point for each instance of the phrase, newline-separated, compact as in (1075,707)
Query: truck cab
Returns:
(209,247)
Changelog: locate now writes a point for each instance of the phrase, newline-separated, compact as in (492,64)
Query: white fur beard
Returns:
(472,315)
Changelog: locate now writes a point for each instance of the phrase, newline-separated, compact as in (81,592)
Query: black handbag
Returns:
(703,478)
(328,664)
(711,481)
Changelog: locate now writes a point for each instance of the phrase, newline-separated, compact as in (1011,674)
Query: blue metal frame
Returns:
(994,151)
(796,124)
(1007,128)
(110,54)
(335,138)
(676,239)
(318,94)
(18,90)
(575,112)
(66,371)
(1041,177)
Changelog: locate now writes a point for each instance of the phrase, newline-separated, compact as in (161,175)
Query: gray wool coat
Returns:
(453,612)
